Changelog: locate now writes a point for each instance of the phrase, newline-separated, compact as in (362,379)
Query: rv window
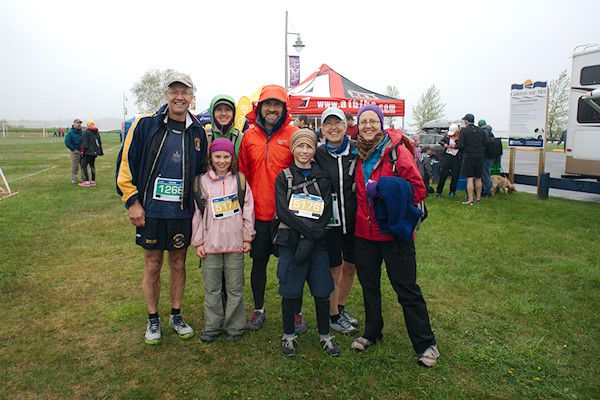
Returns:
(586,114)
(590,75)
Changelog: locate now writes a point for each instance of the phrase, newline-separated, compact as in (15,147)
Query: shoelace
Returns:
(289,342)
(328,343)
(154,326)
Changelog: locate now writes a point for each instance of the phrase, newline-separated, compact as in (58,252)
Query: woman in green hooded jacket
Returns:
(222,113)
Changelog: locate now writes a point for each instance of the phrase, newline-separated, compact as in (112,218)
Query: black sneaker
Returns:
(288,346)
(330,347)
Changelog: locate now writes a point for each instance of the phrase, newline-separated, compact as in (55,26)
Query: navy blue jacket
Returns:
(141,150)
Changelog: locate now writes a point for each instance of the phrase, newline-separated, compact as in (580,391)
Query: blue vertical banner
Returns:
(294,63)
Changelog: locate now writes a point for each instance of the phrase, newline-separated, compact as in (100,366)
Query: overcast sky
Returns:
(67,59)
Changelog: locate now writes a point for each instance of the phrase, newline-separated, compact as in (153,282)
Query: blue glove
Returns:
(371,189)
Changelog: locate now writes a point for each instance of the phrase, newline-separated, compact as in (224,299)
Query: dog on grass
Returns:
(500,182)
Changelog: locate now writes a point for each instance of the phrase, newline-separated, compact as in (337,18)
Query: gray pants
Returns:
(75,163)
(233,319)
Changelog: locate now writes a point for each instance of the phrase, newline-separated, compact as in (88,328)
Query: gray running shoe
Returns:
(348,317)
(183,330)
(256,321)
(300,324)
(209,337)
(342,325)
(429,356)
(288,346)
(153,333)
(330,347)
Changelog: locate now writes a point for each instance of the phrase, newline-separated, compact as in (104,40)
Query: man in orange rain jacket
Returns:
(264,153)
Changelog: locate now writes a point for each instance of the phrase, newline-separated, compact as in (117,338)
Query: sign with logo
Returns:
(527,121)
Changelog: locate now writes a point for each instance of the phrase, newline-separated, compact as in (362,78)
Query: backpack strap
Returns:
(200,202)
(241,184)
(290,181)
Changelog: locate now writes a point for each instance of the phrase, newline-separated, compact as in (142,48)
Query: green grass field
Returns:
(512,287)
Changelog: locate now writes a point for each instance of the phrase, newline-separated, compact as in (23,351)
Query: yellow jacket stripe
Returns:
(124,178)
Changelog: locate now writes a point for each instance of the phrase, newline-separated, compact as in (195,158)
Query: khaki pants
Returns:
(233,320)
(75,164)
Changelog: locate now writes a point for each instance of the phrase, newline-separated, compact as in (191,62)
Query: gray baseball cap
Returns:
(181,78)
(333,111)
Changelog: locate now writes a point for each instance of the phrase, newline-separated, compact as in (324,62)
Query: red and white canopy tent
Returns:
(326,88)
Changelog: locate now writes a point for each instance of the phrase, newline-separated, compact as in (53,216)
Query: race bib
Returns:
(335,215)
(306,205)
(452,151)
(225,206)
(166,189)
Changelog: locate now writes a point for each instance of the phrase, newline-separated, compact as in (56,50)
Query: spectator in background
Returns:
(472,142)
(424,165)
(73,143)
(451,161)
(486,189)
(301,122)
(352,130)
(91,147)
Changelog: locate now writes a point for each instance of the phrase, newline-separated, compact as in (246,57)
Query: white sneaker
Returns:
(429,356)
(153,333)
(183,330)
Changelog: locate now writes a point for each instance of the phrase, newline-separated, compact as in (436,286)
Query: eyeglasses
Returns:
(372,122)
(337,122)
(176,93)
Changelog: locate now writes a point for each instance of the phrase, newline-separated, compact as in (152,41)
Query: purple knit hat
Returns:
(222,144)
(371,107)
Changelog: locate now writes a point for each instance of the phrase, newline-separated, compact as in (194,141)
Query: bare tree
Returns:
(391,91)
(428,108)
(149,91)
(558,105)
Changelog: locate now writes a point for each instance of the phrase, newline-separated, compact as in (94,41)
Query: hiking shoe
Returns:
(348,317)
(288,346)
(92,183)
(361,343)
(342,325)
(330,346)
(438,195)
(452,194)
(209,337)
(85,184)
(234,338)
(183,330)
(467,203)
(300,324)
(256,321)
(153,333)
(429,356)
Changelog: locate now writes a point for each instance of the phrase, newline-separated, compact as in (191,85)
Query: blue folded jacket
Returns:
(394,209)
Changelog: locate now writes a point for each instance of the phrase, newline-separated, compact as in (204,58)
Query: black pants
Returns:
(289,309)
(450,167)
(262,248)
(401,267)
(91,161)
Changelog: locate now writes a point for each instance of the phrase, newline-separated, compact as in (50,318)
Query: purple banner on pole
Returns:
(294,62)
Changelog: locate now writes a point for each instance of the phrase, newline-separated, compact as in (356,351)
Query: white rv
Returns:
(583,129)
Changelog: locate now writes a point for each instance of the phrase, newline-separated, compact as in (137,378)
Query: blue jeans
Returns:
(486,181)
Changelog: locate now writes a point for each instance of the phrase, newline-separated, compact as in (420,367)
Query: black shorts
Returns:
(472,167)
(340,247)
(164,234)
(262,245)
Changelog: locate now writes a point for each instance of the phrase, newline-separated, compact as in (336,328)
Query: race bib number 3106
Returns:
(166,189)
(306,205)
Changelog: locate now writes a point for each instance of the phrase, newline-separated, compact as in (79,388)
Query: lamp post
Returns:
(298,45)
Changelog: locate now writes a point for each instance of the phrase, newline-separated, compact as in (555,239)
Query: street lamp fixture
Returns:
(298,45)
